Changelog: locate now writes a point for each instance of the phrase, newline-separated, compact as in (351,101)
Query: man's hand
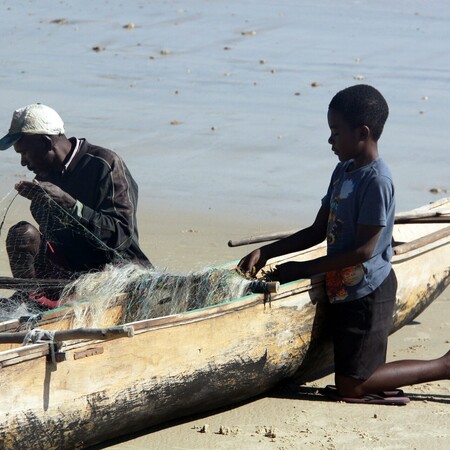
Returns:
(44,191)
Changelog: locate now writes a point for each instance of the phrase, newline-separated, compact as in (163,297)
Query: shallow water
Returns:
(244,144)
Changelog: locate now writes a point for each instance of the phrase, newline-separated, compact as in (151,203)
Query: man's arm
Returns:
(112,221)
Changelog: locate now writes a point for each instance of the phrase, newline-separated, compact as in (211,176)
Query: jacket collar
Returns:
(79,147)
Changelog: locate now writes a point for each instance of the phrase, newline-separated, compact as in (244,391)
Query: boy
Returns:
(356,218)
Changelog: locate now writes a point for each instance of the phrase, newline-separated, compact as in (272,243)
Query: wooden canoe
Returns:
(75,392)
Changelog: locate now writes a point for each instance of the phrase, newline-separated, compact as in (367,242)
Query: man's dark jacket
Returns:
(102,226)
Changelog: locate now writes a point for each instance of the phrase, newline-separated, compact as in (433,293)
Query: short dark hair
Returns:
(362,105)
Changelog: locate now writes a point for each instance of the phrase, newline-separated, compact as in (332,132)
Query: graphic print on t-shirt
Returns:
(337,280)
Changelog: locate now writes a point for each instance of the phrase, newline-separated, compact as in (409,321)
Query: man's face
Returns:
(343,138)
(36,154)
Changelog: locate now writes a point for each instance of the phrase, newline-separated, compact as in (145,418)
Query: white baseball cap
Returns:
(32,119)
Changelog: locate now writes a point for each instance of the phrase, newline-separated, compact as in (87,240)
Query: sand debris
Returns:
(228,430)
(129,26)
(437,190)
(201,428)
(98,48)
(61,21)
(269,432)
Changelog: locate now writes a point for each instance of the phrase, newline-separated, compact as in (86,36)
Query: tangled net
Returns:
(147,293)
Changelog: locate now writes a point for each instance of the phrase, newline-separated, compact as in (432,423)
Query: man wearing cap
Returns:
(83,197)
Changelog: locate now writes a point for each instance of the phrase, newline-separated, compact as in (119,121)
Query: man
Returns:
(83,198)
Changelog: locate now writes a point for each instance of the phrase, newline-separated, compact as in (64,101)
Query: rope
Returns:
(7,208)
(33,321)
(38,336)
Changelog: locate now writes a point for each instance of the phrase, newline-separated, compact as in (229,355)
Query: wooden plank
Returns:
(35,349)
(24,358)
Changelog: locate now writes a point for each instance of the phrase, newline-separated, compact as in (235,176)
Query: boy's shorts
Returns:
(360,330)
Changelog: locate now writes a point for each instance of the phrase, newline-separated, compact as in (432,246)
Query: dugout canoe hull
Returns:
(188,363)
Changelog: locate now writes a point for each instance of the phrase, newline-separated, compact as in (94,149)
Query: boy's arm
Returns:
(303,239)
(366,239)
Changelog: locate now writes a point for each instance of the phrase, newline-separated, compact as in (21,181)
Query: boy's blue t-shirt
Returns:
(363,196)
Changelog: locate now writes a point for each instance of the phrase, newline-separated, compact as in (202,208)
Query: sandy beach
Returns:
(219,110)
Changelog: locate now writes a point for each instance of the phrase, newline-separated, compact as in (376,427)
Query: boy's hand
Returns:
(43,191)
(290,271)
(251,264)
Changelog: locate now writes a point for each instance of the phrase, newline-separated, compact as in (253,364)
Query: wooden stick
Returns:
(29,284)
(425,240)
(77,333)
(260,238)
(423,217)
(264,287)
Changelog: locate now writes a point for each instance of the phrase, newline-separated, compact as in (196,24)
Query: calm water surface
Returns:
(211,103)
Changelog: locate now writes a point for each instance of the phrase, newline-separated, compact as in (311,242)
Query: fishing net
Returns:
(119,293)
(127,293)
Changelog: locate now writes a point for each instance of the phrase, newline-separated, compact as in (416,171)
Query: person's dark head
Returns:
(41,153)
(362,105)
(37,134)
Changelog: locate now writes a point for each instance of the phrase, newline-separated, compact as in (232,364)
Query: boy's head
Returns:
(362,105)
